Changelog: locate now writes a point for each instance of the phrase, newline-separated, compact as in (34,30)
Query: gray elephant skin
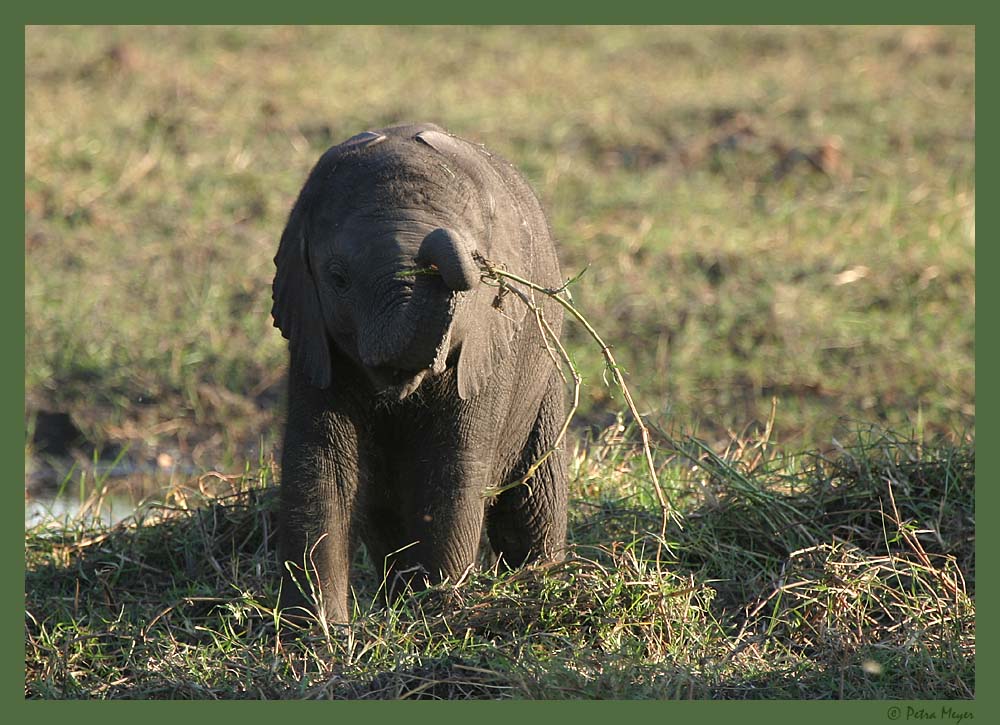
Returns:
(410,396)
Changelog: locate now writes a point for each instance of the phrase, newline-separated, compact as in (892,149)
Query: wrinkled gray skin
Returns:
(409,396)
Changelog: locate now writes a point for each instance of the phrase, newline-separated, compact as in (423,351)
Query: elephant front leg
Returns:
(316,537)
(528,522)
(320,479)
(431,531)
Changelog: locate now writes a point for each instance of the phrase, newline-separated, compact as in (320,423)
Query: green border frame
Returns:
(454,12)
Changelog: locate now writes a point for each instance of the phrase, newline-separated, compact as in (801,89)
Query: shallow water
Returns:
(61,511)
(59,491)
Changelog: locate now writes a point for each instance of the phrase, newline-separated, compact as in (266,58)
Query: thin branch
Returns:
(501,276)
(496,275)
(547,334)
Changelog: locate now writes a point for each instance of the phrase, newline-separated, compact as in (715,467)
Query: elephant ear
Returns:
(489,339)
(491,321)
(296,309)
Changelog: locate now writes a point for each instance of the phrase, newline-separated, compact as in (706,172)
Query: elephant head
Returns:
(374,210)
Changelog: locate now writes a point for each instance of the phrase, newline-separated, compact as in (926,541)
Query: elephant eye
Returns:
(338,278)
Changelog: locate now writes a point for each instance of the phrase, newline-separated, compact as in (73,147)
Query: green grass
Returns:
(161,164)
(766,216)
(843,577)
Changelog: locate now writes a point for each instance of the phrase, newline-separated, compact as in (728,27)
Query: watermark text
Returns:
(946,714)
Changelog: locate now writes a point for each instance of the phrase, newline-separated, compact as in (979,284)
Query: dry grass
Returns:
(847,577)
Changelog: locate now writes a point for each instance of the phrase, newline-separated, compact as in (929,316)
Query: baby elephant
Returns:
(411,395)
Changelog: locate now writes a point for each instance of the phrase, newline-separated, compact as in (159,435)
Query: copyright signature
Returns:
(947,714)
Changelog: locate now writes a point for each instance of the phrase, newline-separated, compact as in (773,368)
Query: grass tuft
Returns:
(793,577)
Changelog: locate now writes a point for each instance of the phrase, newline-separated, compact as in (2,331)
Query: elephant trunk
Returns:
(452,255)
(419,335)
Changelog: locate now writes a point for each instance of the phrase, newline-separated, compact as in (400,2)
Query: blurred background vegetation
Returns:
(763,213)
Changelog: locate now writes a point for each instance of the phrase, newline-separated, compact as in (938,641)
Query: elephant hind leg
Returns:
(430,536)
(528,522)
